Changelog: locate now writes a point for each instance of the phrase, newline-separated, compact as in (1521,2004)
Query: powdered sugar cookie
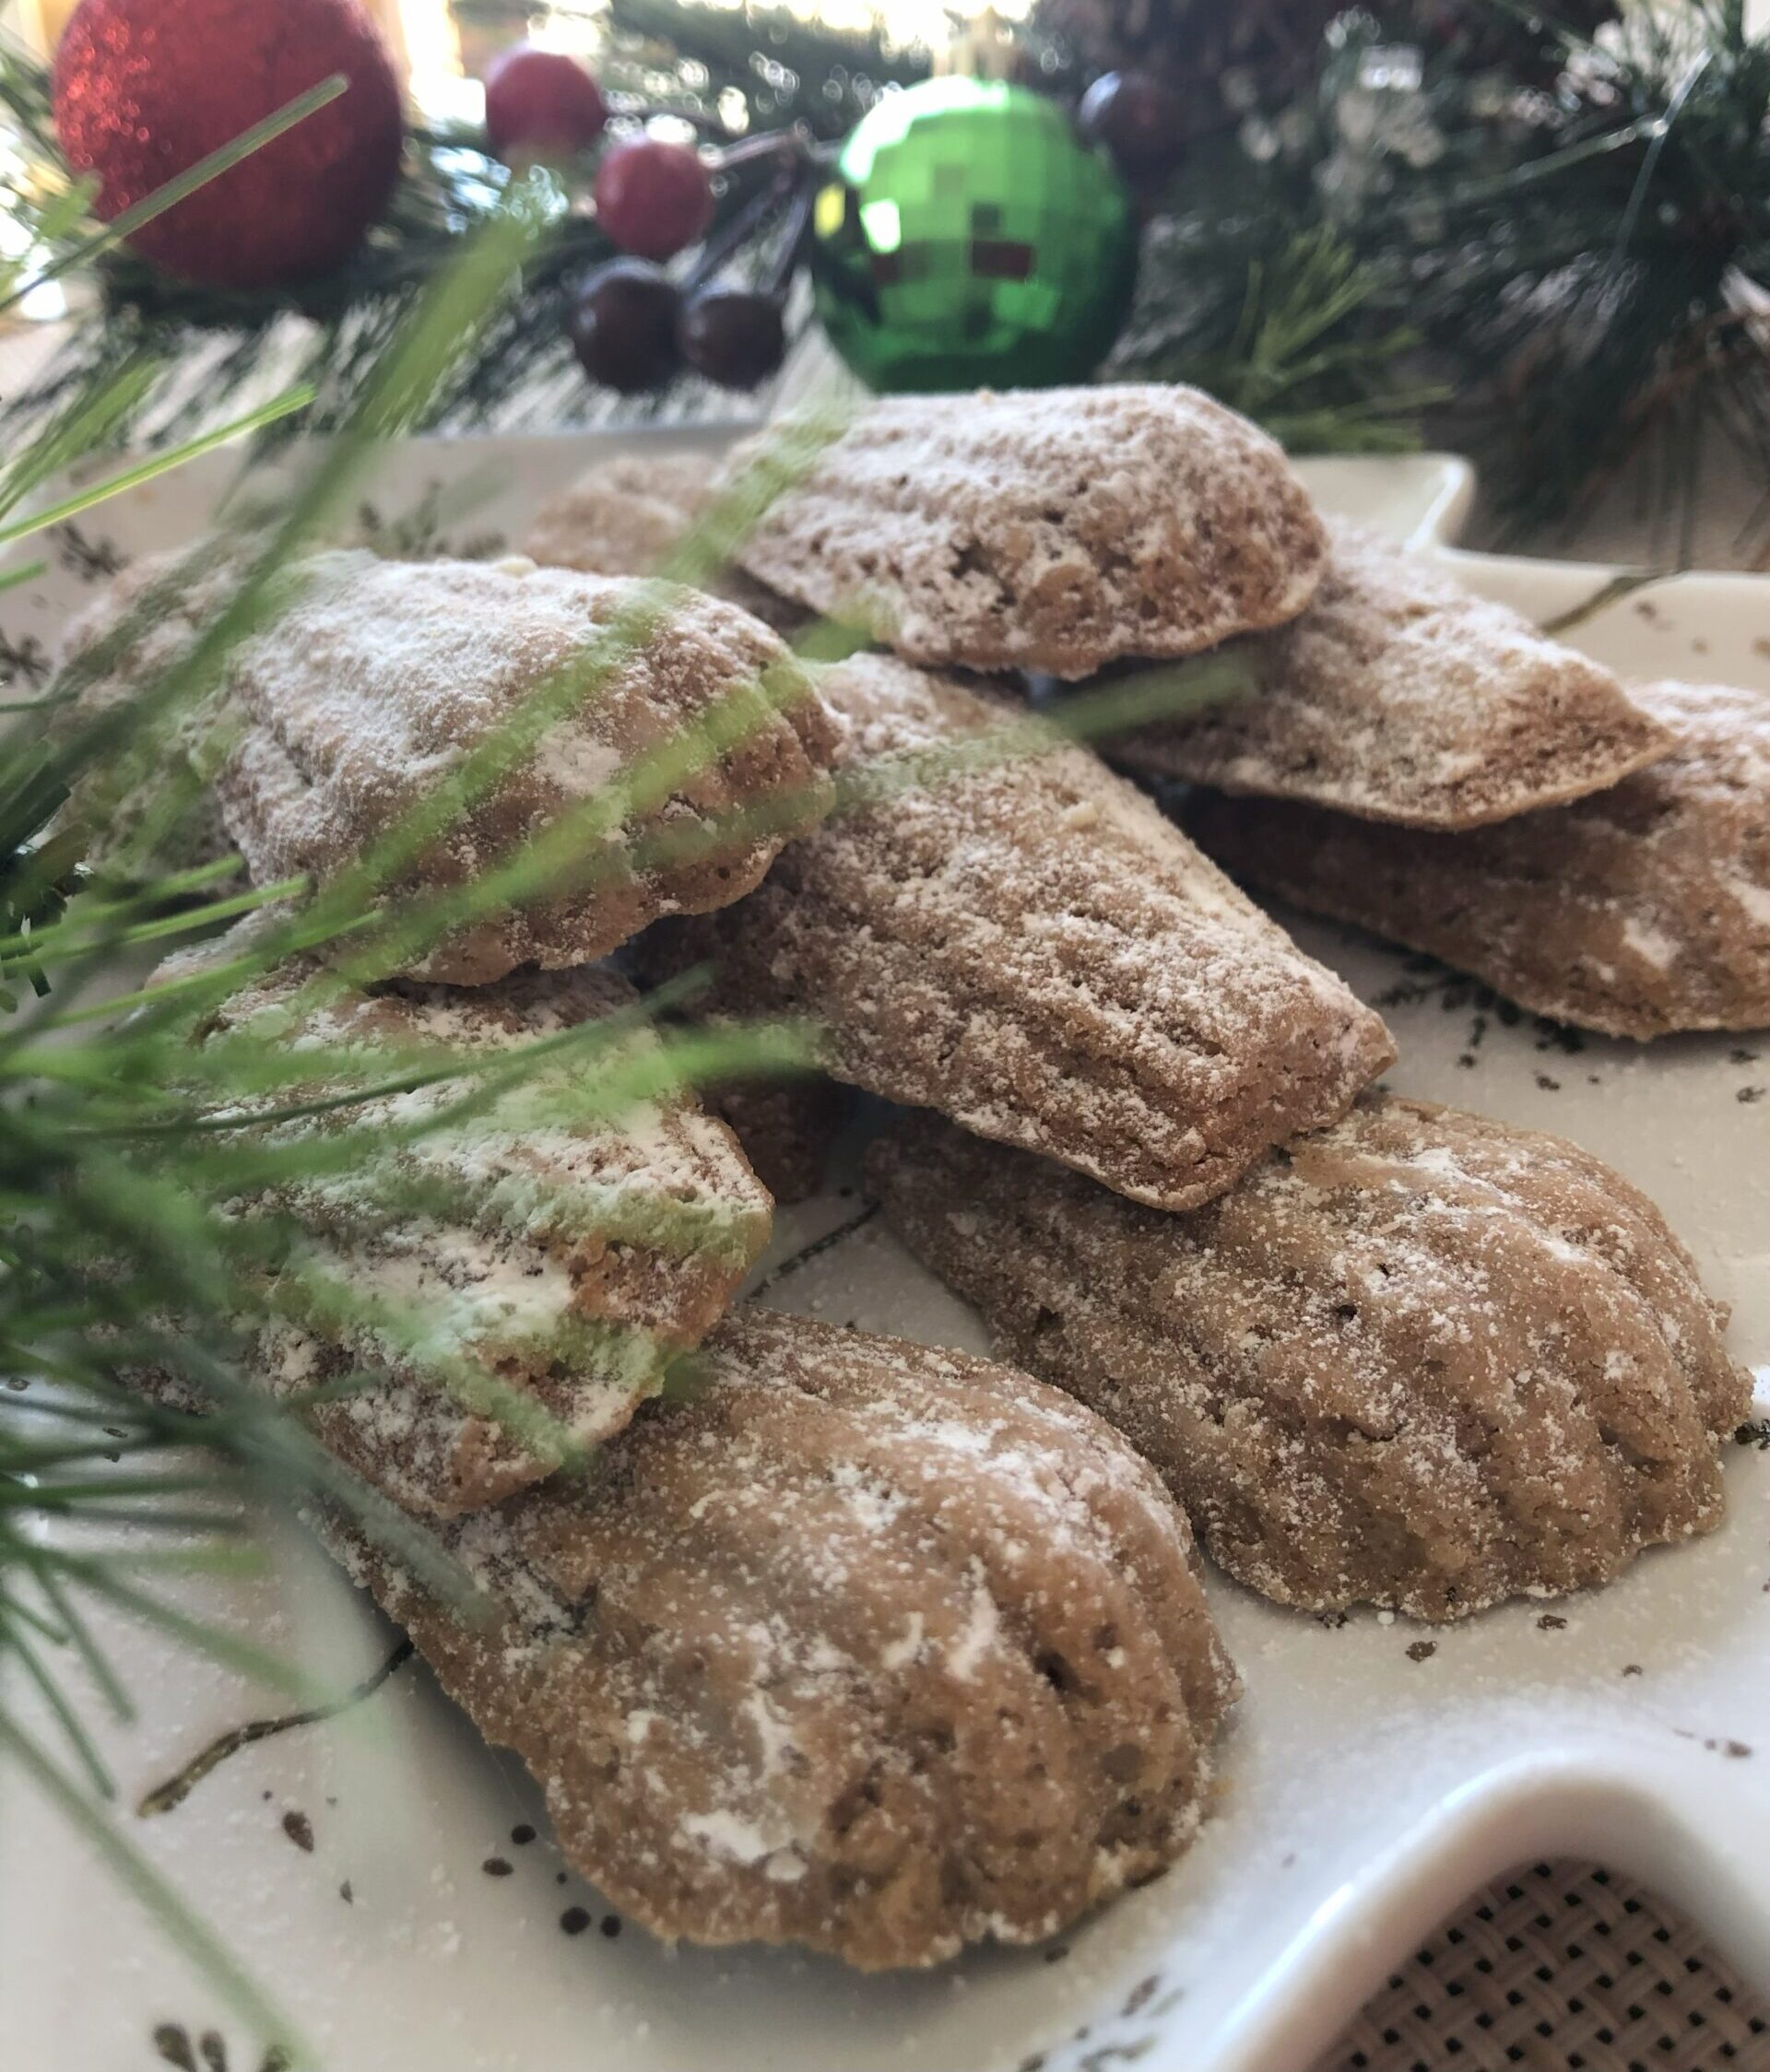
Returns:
(1024,943)
(1048,529)
(506,1284)
(377,685)
(1639,911)
(628,512)
(1417,1359)
(1400,696)
(969,1692)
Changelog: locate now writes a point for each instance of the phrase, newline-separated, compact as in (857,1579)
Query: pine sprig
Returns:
(1286,324)
(123,1245)
(1578,266)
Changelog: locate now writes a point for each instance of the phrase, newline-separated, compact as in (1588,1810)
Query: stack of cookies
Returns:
(848,1641)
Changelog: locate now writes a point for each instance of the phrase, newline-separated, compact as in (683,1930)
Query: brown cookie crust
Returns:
(1640,911)
(1400,696)
(1051,529)
(569,1263)
(628,512)
(1419,1358)
(1026,944)
(971,1692)
(380,677)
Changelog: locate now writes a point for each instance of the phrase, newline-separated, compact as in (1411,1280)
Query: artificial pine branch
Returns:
(332,330)
(1579,266)
(151,1193)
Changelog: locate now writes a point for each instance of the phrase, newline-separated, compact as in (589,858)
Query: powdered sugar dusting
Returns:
(974,1710)
(1417,1358)
(1053,529)
(1100,993)
(494,1265)
(1640,909)
(380,679)
(1399,695)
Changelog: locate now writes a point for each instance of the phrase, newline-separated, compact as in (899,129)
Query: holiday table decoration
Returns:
(1562,225)
(1137,119)
(970,236)
(541,102)
(623,327)
(653,197)
(144,89)
(1216,60)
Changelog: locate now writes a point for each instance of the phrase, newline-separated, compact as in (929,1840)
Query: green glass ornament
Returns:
(970,239)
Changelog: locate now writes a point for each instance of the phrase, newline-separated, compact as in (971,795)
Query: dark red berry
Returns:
(653,199)
(541,103)
(1137,119)
(733,336)
(623,325)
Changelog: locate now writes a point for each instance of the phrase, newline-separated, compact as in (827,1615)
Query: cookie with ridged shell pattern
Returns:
(503,1285)
(1010,932)
(376,682)
(1640,911)
(1399,694)
(1419,1358)
(970,1694)
(1054,530)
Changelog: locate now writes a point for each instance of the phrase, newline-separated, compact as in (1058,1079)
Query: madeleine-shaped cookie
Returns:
(1050,529)
(381,679)
(864,1646)
(507,1283)
(1637,911)
(1400,696)
(1021,940)
(628,512)
(624,515)
(1419,1358)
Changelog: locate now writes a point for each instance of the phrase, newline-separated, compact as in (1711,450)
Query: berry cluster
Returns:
(634,326)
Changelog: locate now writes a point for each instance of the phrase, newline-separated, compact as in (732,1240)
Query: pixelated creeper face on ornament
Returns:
(971,237)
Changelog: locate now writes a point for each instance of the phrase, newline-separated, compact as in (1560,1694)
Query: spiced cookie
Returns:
(1417,1358)
(1400,696)
(996,926)
(969,1692)
(1639,911)
(1050,529)
(380,682)
(505,1283)
(628,512)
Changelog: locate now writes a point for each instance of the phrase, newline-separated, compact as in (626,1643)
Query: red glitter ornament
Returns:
(542,101)
(653,199)
(144,89)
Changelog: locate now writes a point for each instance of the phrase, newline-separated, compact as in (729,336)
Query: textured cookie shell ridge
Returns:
(1419,1358)
(969,1694)
(1055,529)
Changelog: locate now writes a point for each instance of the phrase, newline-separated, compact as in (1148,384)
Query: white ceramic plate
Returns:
(1374,1773)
